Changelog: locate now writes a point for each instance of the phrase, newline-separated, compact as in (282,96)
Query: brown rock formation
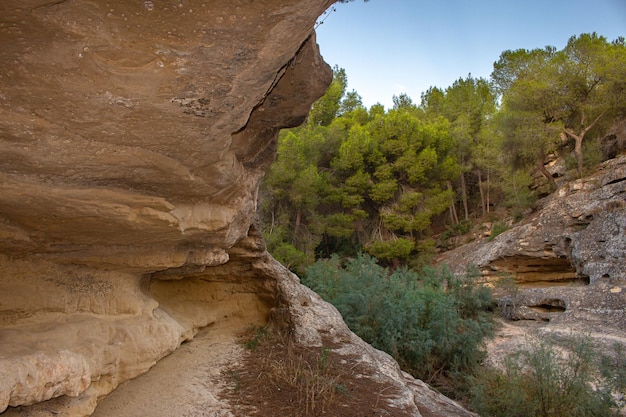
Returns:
(576,233)
(567,259)
(133,136)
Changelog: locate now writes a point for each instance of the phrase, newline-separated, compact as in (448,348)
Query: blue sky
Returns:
(388,47)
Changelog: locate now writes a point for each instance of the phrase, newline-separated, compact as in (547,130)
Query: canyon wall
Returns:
(133,136)
(563,266)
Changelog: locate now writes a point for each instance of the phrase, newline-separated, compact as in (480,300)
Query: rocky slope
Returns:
(567,259)
(133,136)
(577,233)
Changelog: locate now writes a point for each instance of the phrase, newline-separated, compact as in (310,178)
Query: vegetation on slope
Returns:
(549,378)
(396,183)
(433,323)
(389,182)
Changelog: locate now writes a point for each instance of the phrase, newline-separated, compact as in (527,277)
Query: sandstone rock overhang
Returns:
(575,234)
(132,127)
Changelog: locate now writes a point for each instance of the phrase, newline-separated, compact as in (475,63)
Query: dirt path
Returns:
(184,384)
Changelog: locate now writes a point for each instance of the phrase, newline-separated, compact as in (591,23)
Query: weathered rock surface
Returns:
(568,259)
(577,233)
(133,136)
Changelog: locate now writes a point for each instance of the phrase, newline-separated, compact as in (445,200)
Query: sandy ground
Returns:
(512,336)
(184,384)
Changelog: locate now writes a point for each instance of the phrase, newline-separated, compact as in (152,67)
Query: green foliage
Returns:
(516,187)
(497,229)
(462,228)
(432,323)
(613,369)
(592,154)
(291,257)
(457,229)
(285,252)
(572,92)
(377,178)
(326,108)
(386,180)
(391,249)
(545,380)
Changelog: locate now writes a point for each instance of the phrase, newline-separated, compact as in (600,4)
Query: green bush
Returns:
(458,229)
(286,253)
(592,154)
(517,191)
(462,227)
(393,249)
(613,369)
(497,229)
(432,323)
(292,258)
(544,380)
(592,157)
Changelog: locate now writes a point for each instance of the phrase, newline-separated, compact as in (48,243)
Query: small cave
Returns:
(543,310)
(583,280)
(536,272)
(546,309)
(215,299)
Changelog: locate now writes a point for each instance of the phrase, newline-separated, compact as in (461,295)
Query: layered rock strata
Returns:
(133,136)
(566,259)
(575,234)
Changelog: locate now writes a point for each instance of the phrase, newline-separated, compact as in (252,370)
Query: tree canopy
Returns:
(389,182)
(570,92)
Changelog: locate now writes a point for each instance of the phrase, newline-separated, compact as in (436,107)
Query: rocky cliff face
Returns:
(133,136)
(567,258)
(577,233)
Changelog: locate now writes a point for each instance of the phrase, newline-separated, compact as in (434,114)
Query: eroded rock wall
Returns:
(125,124)
(576,232)
(567,259)
(133,136)
(132,139)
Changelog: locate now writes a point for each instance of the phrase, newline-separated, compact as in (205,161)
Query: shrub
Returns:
(291,257)
(393,249)
(432,323)
(613,370)
(592,154)
(508,297)
(517,190)
(497,229)
(544,380)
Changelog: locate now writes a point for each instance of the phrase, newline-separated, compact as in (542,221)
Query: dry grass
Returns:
(282,379)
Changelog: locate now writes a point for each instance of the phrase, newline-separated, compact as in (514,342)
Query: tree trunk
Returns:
(542,168)
(480,188)
(488,190)
(578,151)
(272,225)
(464,196)
(578,140)
(296,227)
(453,215)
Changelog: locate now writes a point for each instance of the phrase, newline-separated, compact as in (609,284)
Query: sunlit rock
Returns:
(133,136)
